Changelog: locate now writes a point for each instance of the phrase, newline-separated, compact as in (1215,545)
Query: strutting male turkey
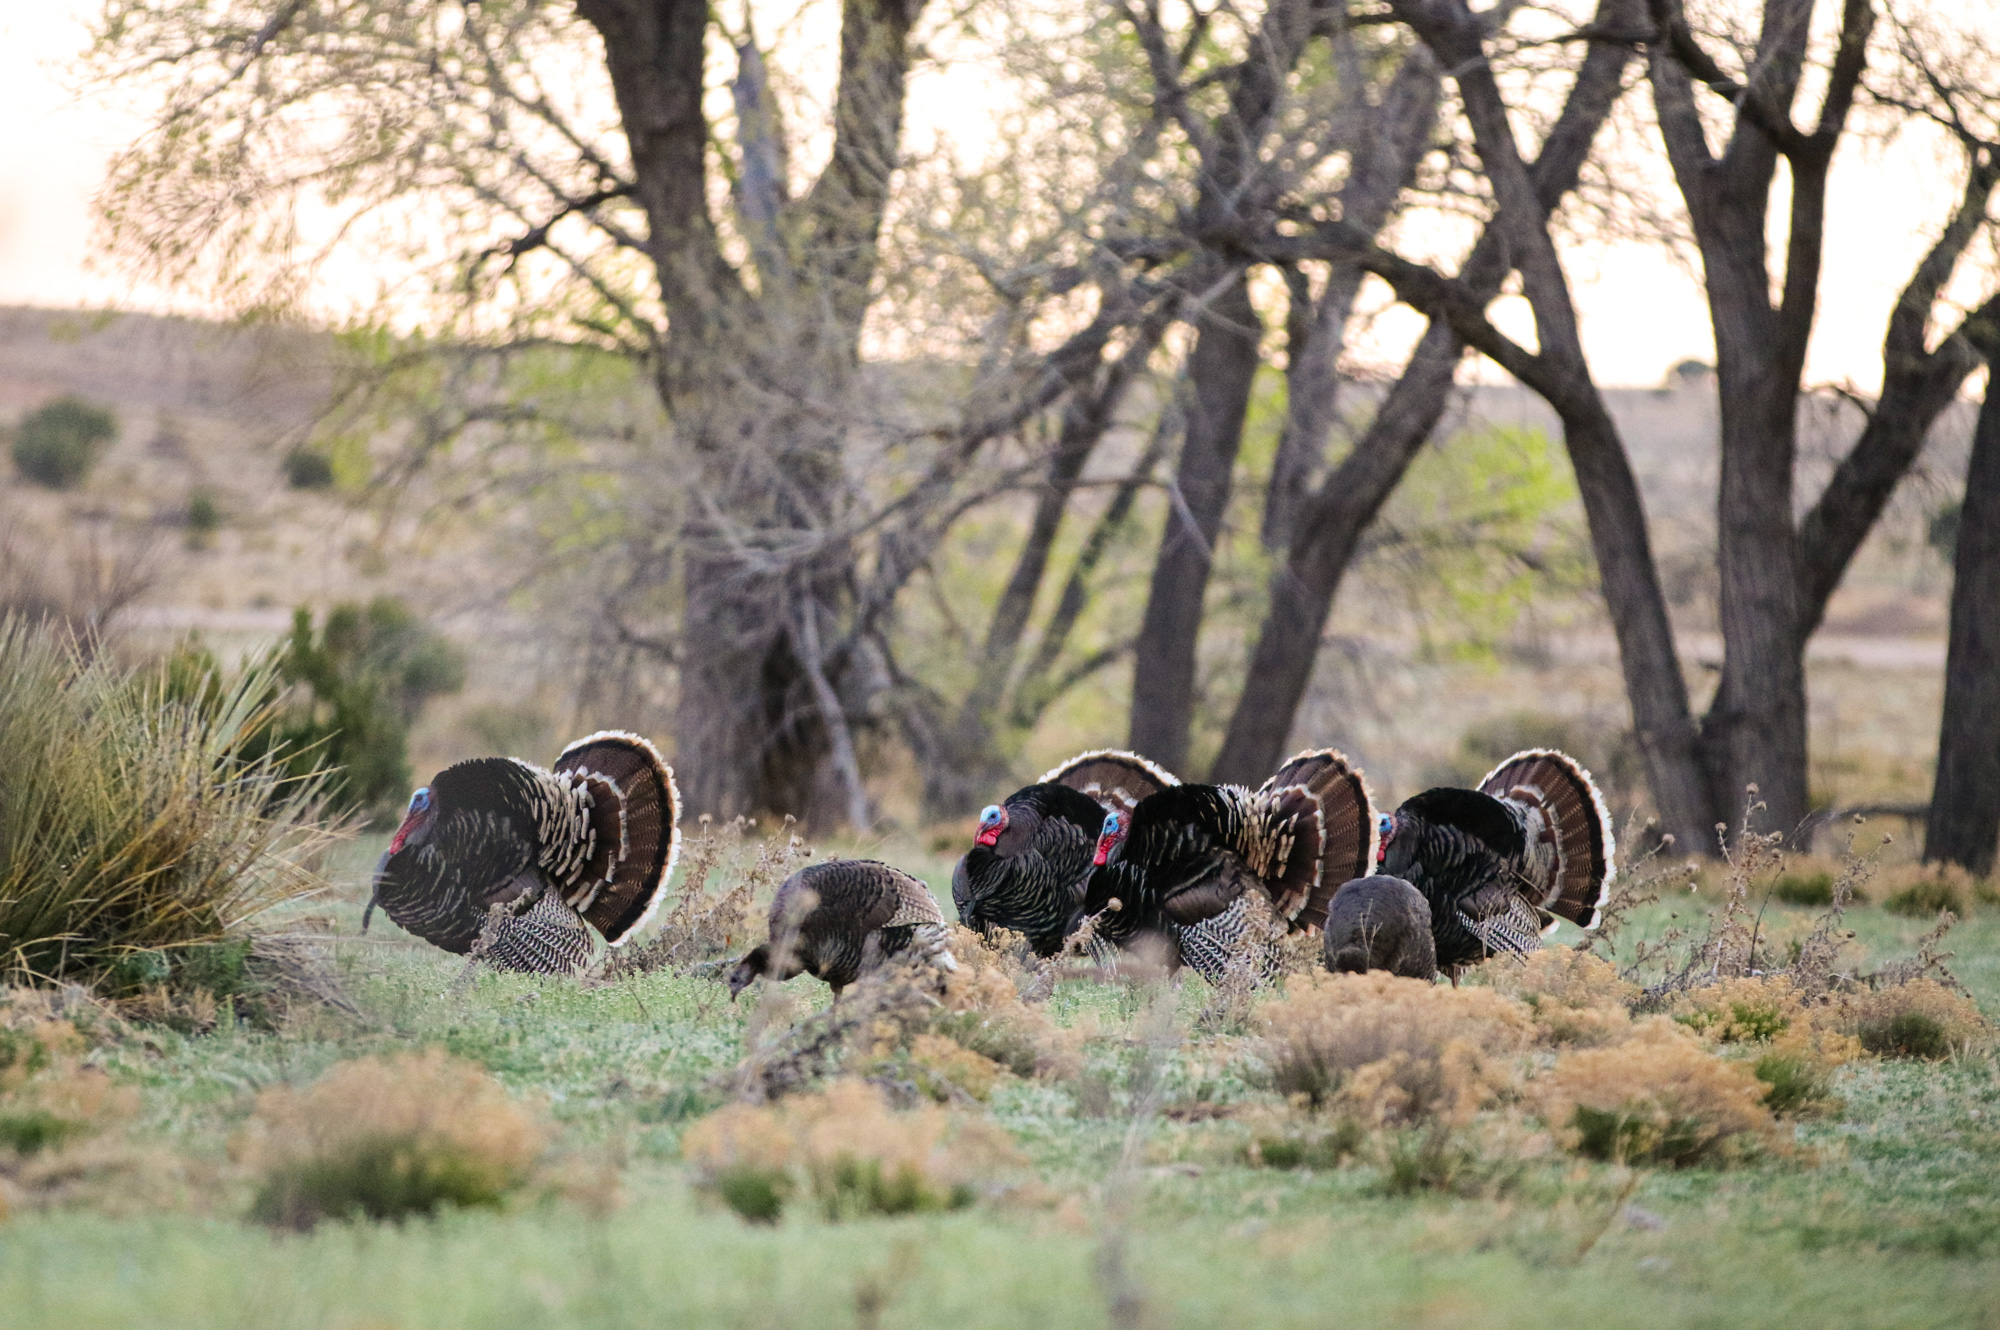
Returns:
(1380,923)
(839,920)
(1029,861)
(571,853)
(1501,863)
(1184,861)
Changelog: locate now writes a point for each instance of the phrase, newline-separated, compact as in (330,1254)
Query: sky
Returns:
(1641,312)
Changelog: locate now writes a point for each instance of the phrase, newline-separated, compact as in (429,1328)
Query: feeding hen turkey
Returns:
(1500,864)
(569,854)
(840,920)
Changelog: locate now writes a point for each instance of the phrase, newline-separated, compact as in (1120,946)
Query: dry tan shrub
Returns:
(388,1136)
(1918,1018)
(1659,1097)
(1741,1010)
(1576,998)
(946,1057)
(1383,1049)
(849,1149)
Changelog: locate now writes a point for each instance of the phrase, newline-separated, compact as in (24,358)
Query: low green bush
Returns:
(59,444)
(1907,1034)
(308,469)
(1926,896)
(1808,889)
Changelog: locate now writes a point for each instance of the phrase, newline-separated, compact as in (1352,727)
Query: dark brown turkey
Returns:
(1380,923)
(1500,864)
(569,854)
(1183,860)
(837,921)
(1031,855)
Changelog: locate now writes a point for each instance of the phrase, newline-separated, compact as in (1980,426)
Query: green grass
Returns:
(1889,1215)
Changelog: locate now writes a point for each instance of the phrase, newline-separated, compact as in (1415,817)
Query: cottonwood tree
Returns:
(574,176)
(1777,570)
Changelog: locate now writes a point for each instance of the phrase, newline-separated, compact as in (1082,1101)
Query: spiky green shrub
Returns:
(134,827)
(58,444)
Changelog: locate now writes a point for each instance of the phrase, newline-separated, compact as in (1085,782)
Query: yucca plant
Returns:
(134,826)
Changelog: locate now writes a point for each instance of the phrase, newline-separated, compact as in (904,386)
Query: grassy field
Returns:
(1127,1209)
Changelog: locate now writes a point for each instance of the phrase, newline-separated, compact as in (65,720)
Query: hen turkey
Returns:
(1185,858)
(1500,864)
(839,920)
(1380,923)
(1031,856)
(540,863)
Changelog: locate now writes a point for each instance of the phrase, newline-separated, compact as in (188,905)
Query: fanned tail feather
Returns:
(1575,827)
(649,839)
(1111,776)
(1347,831)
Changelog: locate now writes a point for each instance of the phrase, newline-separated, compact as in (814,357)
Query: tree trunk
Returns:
(1965,803)
(757,386)
(1221,368)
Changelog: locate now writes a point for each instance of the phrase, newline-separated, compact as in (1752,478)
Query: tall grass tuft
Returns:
(133,829)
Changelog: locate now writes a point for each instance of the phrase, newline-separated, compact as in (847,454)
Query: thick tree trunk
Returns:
(1221,368)
(756,384)
(1965,803)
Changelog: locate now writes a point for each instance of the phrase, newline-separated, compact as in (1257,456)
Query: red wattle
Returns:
(987,837)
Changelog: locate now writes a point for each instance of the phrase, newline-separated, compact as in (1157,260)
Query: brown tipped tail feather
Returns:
(1569,830)
(1346,825)
(635,857)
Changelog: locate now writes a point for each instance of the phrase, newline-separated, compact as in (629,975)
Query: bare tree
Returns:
(573,187)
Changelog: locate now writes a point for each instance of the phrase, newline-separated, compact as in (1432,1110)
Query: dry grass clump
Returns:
(1919,1018)
(1576,998)
(384,1138)
(1660,1097)
(1387,1050)
(848,1150)
(132,826)
(697,928)
(1807,880)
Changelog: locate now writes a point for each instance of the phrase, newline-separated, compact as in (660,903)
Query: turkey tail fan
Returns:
(1290,841)
(649,840)
(1575,824)
(1348,834)
(1111,776)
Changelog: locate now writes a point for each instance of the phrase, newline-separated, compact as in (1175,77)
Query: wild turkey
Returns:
(569,854)
(839,920)
(1184,858)
(1380,923)
(1499,864)
(1032,853)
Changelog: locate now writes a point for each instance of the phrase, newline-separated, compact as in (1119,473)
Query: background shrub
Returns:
(204,517)
(58,444)
(1926,896)
(341,698)
(308,469)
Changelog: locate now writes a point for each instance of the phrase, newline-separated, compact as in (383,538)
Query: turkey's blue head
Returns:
(416,821)
(1112,838)
(992,821)
(1385,826)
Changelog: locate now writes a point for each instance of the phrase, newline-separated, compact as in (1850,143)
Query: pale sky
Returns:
(1641,313)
